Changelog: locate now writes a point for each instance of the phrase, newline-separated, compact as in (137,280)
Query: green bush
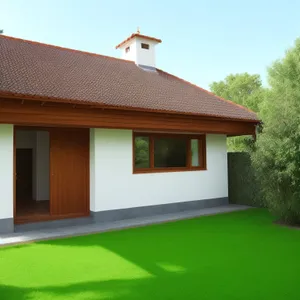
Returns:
(276,157)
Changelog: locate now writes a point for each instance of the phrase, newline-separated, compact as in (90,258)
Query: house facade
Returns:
(89,137)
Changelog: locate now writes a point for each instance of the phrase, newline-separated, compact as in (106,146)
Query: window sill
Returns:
(167,170)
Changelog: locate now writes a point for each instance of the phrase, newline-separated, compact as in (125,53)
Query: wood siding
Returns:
(69,171)
(13,111)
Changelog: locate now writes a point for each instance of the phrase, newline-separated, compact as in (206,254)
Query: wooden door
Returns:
(24,170)
(69,171)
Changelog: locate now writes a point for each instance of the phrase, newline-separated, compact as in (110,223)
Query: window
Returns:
(127,49)
(145,46)
(142,155)
(195,152)
(168,152)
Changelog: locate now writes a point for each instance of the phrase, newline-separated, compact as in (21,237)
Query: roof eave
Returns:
(137,35)
(5,94)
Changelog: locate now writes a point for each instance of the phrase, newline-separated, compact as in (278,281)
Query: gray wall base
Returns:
(6,225)
(53,224)
(147,211)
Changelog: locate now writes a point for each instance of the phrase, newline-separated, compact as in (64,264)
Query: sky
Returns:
(202,41)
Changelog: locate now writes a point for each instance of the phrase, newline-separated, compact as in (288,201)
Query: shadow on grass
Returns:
(9,247)
(159,248)
(187,244)
(174,286)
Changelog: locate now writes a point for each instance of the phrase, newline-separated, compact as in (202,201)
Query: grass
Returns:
(240,255)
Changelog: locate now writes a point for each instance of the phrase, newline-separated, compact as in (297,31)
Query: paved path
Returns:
(44,234)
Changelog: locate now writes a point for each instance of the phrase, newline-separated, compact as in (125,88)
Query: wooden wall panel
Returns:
(69,171)
(54,114)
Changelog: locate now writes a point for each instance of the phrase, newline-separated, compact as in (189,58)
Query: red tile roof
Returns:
(140,36)
(36,70)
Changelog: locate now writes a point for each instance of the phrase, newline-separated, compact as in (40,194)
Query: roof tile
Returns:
(40,70)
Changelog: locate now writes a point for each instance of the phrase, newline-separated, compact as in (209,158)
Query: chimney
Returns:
(140,49)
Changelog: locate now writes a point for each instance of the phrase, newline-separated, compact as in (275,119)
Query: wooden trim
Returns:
(201,152)
(45,101)
(33,128)
(51,114)
(189,153)
(88,190)
(15,173)
(133,152)
(151,151)
(49,217)
(204,153)
(167,170)
(50,176)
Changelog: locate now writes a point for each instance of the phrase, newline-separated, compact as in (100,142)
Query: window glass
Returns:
(145,46)
(195,152)
(142,157)
(170,152)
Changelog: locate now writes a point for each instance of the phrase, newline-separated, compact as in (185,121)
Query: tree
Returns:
(243,89)
(277,151)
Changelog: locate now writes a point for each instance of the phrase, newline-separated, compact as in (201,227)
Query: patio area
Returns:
(25,233)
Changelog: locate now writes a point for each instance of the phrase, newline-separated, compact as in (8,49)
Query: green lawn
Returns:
(240,255)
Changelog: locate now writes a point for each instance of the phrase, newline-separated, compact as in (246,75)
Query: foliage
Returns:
(243,186)
(243,89)
(277,152)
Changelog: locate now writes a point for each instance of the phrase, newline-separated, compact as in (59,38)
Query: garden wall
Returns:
(243,188)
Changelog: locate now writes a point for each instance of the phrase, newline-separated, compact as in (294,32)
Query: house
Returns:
(89,137)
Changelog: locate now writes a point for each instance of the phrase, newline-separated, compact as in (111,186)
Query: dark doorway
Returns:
(24,180)
(64,194)
(31,175)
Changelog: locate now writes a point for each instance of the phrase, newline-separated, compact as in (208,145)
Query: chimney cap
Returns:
(137,34)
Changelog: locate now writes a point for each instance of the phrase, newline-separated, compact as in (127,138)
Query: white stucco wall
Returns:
(92,171)
(6,171)
(113,186)
(139,55)
(145,57)
(131,54)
